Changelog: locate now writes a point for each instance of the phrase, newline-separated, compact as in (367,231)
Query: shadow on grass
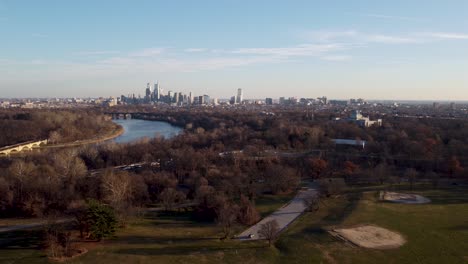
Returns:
(172,218)
(162,240)
(338,214)
(448,196)
(24,239)
(317,232)
(183,250)
(459,228)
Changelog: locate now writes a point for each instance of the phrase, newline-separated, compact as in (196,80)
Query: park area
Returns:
(435,232)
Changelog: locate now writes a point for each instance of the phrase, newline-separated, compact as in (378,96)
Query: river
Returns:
(136,129)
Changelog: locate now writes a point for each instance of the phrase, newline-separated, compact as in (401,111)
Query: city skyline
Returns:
(395,51)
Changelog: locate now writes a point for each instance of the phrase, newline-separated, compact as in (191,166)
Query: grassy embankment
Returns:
(436,233)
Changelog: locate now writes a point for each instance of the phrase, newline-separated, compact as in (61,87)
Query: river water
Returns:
(136,129)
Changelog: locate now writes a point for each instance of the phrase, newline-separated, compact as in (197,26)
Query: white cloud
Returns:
(356,37)
(392,17)
(326,36)
(387,39)
(194,50)
(150,52)
(446,35)
(337,58)
(98,52)
(299,50)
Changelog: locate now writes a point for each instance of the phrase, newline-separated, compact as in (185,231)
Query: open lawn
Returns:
(435,233)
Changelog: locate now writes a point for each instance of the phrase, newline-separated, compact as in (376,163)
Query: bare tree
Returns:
(281,179)
(169,197)
(6,198)
(21,171)
(116,186)
(118,193)
(411,174)
(269,231)
(381,172)
(434,177)
(69,167)
(248,215)
(226,217)
(312,203)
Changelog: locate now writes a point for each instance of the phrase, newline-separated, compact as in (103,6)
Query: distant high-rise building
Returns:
(206,99)
(148,92)
(156,92)
(269,101)
(195,100)
(239,96)
(323,100)
(190,98)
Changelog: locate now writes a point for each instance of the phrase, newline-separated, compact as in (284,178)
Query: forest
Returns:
(221,164)
(59,126)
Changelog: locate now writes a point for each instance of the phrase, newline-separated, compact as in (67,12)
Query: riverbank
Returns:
(117,131)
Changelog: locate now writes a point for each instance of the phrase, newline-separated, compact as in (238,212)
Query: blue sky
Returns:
(341,49)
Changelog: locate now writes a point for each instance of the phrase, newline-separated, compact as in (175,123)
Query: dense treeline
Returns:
(226,159)
(59,126)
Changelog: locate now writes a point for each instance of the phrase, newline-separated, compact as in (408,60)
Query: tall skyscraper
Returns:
(148,92)
(206,99)
(239,96)
(156,92)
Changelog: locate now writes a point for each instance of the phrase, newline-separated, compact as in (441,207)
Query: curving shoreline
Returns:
(119,130)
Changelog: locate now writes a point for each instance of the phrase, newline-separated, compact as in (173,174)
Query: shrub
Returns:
(101,220)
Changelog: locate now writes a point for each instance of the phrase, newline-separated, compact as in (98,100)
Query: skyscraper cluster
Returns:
(155,94)
(237,99)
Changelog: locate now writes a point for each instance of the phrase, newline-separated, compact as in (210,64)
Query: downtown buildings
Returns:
(154,94)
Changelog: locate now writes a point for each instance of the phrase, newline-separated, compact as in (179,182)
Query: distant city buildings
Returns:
(157,96)
(239,97)
(363,121)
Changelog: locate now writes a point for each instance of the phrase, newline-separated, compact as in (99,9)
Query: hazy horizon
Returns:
(361,49)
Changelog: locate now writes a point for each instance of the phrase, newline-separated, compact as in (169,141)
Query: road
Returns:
(284,216)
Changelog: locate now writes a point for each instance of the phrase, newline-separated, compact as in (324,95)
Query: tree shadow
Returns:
(459,228)
(182,250)
(164,240)
(448,196)
(24,239)
(337,215)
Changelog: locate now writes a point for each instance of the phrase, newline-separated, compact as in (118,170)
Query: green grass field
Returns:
(435,233)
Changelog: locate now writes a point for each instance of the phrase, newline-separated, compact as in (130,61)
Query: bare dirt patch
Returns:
(403,198)
(370,236)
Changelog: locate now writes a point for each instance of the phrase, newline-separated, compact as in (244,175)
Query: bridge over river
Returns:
(25,146)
